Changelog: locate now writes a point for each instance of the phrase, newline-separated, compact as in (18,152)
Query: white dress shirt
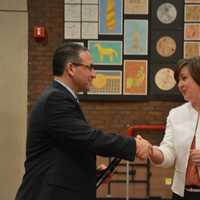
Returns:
(69,89)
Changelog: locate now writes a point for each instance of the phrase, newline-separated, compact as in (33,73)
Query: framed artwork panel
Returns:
(136,7)
(72,30)
(105,52)
(192,13)
(191,49)
(167,46)
(72,1)
(90,1)
(72,12)
(192,31)
(192,1)
(163,84)
(167,14)
(135,37)
(89,30)
(107,82)
(135,77)
(134,44)
(110,17)
(81,19)
(90,13)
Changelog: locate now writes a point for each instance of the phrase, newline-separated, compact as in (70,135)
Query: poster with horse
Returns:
(106,52)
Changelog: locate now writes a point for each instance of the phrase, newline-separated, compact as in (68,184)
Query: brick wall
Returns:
(50,14)
(109,116)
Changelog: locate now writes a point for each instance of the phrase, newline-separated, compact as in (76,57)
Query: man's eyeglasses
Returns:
(90,67)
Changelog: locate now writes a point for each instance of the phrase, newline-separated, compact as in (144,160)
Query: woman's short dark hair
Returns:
(193,64)
(69,52)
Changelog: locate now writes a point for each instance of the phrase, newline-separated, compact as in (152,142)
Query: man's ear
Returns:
(70,69)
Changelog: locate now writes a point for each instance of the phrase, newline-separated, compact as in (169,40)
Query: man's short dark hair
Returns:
(67,53)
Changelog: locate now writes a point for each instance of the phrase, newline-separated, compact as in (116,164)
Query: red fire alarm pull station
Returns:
(39,32)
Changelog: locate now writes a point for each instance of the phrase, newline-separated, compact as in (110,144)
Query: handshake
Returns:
(144,149)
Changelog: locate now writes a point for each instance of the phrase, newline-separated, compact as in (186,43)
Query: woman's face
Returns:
(187,86)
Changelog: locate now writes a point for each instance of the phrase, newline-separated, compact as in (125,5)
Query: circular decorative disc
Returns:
(164,79)
(166,46)
(166,13)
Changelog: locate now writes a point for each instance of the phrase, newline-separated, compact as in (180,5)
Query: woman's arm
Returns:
(164,155)
(156,155)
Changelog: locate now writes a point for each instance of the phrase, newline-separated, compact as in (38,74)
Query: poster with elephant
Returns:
(106,52)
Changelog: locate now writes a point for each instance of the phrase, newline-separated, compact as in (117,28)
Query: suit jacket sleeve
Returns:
(67,126)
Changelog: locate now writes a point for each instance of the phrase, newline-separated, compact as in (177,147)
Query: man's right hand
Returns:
(143,148)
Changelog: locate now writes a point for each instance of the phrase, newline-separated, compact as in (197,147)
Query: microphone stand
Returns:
(105,173)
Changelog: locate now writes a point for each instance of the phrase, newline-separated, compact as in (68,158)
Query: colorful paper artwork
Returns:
(192,13)
(163,84)
(192,31)
(106,52)
(191,49)
(135,77)
(166,13)
(136,7)
(107,83)
(135,37)
(116,32)
(110,17)
(164,79)
(166,46)
(192,1)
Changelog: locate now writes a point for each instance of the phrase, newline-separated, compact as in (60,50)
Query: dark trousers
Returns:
(187,196)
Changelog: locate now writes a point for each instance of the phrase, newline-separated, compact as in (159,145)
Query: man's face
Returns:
(84,73)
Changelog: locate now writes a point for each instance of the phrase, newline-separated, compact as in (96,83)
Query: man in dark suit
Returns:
(61,146)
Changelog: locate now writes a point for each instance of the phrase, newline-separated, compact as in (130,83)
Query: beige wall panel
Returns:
(13,98)
(13,4)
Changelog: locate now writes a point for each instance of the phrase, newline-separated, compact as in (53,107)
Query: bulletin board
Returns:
(135,44)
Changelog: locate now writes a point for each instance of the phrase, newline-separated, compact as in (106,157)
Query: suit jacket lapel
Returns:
(68,93)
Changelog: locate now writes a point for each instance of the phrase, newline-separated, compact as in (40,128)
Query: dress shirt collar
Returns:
(68,88)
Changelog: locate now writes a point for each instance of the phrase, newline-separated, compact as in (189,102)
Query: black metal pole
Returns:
(101,178)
